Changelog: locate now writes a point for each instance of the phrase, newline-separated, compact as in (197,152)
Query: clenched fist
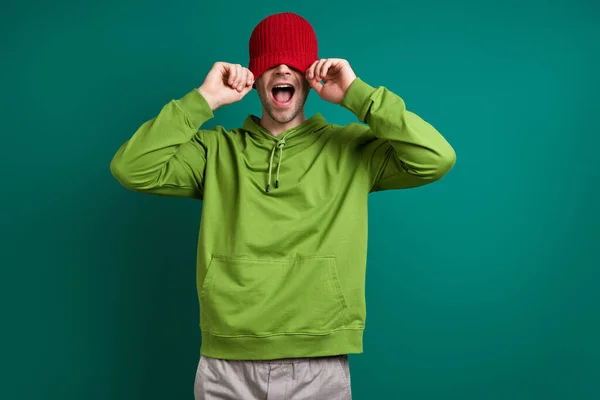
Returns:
(226,83)
(336,74)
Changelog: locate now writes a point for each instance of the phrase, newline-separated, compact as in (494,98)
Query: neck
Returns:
(276,128)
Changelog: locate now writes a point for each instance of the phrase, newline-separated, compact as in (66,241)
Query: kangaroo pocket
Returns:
(243,296)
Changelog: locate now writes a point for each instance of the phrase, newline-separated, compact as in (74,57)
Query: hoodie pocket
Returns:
(259,297)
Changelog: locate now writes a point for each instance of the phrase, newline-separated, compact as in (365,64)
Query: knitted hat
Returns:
(284,38)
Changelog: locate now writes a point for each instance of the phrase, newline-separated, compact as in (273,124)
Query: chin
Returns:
(283,117)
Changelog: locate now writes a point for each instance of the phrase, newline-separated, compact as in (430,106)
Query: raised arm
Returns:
(403,150)
(400,149)
(167,154)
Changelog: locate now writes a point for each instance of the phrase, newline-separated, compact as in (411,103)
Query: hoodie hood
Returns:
(298,134)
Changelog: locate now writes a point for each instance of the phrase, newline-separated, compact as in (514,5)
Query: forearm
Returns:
(421,150)
(158,152)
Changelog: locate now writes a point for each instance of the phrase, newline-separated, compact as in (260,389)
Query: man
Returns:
(283,237)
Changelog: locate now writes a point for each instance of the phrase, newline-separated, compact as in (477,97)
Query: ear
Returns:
(256,80)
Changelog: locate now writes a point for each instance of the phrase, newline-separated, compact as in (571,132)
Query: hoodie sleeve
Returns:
(402,150)
(167,154)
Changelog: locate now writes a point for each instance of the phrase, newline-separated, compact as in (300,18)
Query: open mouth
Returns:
(283,93)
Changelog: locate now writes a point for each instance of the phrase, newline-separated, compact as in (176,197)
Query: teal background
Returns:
(484,285)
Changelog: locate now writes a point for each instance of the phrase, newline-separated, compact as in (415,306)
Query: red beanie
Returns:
(284,38)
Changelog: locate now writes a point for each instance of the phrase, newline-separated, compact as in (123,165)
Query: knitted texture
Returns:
(283,38)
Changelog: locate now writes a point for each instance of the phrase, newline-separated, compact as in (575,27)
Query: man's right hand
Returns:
(225,84)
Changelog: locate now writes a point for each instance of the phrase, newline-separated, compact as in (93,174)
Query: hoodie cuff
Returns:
(196,107)
(358,98)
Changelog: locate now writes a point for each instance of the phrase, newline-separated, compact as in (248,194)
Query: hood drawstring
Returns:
(279,145)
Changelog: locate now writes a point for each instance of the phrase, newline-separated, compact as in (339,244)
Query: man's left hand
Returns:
(337,76)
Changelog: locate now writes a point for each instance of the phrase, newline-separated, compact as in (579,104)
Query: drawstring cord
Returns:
(279,145)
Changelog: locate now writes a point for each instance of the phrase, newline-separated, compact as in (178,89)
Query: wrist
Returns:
(209,99)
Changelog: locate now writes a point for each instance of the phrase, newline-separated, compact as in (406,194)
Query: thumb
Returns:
(316,84)
(246,90)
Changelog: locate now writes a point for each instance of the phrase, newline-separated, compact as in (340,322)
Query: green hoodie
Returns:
(281,269)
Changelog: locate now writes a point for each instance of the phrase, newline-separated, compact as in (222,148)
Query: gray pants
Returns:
(322,378)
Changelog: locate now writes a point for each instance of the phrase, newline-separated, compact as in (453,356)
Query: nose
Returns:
(283,69)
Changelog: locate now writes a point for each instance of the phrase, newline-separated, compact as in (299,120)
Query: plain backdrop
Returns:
(481,286)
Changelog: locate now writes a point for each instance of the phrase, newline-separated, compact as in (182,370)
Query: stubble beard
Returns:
(285,116)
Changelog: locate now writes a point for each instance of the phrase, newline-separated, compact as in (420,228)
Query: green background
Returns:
(484,285)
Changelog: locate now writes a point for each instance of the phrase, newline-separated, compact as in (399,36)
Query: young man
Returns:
(283,237)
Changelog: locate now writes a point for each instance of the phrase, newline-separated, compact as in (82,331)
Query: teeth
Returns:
(282,86)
